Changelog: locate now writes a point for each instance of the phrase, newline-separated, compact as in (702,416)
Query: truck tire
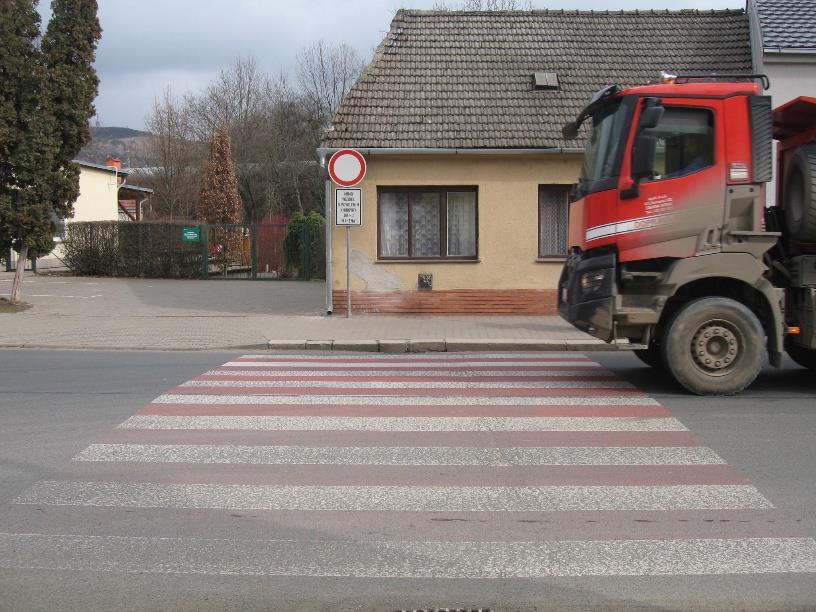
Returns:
(651,356)
(805,357)
(799,194)
(714,346)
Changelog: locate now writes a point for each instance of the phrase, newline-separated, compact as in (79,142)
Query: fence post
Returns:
(205,251)
(305,253)
(253,249)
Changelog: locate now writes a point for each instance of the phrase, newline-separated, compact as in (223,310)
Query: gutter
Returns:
(323,152)
(785,50)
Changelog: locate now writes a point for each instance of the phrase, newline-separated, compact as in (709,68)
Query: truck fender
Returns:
(742,267)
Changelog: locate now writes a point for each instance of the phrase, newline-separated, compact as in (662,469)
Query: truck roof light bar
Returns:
(708,78)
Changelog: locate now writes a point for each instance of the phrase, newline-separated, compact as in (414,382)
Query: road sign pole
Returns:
(348,271)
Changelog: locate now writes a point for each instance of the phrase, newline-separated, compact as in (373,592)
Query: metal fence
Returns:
(260,252)
(186,250)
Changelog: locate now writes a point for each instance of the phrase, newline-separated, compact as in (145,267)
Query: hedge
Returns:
(125,248)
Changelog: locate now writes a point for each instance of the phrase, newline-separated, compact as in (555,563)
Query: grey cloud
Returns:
(151,44)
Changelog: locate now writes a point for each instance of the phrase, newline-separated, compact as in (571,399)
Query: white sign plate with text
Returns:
(348,207)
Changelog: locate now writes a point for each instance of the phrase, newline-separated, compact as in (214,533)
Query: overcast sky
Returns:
(150,44)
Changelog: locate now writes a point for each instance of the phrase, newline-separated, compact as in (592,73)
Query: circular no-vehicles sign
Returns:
(347,167)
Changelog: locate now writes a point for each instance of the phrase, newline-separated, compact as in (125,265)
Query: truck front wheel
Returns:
(714,346)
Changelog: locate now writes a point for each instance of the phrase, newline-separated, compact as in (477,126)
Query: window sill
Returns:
(553,259)
(428,261)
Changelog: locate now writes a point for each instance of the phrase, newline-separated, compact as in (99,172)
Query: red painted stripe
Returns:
(408,360)
(515,392)
(408,476)
(420,379)
(425,526)
(480,439)
(441,368)
(406,410)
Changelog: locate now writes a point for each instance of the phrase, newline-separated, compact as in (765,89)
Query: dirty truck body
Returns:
(674,249)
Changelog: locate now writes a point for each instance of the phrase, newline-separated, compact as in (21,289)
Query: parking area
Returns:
(84,312)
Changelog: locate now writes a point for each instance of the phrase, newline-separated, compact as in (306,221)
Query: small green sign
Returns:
(191,234)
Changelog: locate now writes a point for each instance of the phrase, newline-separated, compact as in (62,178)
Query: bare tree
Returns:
(326,72)
(174,157)
(485,5)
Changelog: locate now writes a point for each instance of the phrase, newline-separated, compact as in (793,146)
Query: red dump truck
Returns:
(675,251)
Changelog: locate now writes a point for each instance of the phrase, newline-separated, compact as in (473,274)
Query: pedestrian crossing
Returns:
(418,466)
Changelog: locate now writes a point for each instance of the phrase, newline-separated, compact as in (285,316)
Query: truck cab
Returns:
(673,251)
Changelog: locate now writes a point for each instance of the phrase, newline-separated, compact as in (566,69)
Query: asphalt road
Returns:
(183,554)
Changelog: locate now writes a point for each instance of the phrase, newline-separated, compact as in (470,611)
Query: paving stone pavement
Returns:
(579,475)
(159,314)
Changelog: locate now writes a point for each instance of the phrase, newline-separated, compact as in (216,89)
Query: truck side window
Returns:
(685,142)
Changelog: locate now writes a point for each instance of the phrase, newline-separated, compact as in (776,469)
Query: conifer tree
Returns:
(68,50)
(46,103)
(219,202)
(27,143)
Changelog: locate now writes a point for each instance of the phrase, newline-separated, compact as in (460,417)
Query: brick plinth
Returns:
(451,301)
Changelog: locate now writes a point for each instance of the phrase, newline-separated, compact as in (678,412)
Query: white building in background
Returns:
(104,195)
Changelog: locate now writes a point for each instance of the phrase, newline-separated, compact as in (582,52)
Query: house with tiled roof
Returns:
(459,117)
(783,42)
(783,37)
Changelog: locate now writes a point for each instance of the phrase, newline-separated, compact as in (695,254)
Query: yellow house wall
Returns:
(507,218)
(97,196)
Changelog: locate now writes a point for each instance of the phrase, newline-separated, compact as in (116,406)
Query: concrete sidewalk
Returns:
(153,314)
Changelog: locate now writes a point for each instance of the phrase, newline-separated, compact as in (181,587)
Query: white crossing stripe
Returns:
(388,559)
(303,455)
(414,400)
(331,423)
(336,384)
(395,498)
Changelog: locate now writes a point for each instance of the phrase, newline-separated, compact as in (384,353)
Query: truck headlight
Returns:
(596,283)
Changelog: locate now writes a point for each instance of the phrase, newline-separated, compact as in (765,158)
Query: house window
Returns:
(427,223)
(685,142)
(553,220)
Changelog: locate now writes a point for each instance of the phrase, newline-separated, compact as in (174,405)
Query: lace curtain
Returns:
(462,224)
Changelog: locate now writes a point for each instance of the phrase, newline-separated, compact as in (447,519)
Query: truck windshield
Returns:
(603,152)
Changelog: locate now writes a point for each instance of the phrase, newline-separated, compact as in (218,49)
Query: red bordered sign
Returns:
(347,167)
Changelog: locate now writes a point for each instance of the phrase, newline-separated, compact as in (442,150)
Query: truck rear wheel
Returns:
(805,357)
(800,194)
(714,346)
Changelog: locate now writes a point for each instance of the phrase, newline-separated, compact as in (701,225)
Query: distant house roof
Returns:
(111,169)
(788,26)
(465,80)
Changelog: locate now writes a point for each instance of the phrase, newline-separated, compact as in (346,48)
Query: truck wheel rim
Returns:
(716,347)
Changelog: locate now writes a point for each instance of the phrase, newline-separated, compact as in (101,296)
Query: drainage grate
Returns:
(444,610)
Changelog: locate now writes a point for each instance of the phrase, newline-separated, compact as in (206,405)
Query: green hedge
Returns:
(306,230)
(125,248)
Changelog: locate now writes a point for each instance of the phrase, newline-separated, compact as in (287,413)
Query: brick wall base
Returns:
(451,302)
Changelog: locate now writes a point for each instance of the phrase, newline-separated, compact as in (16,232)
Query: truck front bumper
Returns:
(586,293)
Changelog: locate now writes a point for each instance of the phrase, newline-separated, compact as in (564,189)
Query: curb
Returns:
(440,346)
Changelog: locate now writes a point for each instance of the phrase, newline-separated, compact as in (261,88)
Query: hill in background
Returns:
(128,145)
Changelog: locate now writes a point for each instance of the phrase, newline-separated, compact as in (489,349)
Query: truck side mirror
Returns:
(651,116)
(643,156)
(643,160)
(570,130)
